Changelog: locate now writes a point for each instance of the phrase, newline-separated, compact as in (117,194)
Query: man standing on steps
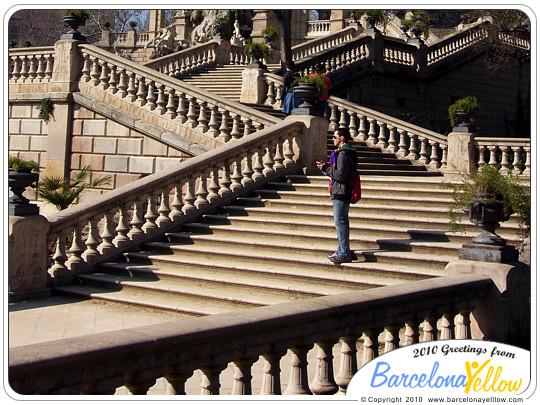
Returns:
(340,169)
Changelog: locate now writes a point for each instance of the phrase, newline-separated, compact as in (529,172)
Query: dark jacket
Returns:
(342,174)
(287,84)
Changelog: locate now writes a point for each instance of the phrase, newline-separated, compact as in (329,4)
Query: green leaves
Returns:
(63,192)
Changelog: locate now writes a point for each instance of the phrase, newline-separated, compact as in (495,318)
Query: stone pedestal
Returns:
(254,87)
(311,145)
(505,314)
(461,154)
(27,257)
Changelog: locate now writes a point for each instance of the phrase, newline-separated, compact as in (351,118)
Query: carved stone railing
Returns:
(511,155)
(187,110)
(388,133)
(317,45)
(400,315)
(146,208)
(31,65)
(187,61)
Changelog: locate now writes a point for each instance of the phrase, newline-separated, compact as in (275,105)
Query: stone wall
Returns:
(27,133)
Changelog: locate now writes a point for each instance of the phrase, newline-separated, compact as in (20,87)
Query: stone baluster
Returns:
(423,151)
(151,96)
(235,132)
(429,329)
(236,177)
(213,123)
(141,91)
(189,197)
(434,158)
(348,365)
(202,192)
(362,133)
(505,162)
(40,70)
(242,374)
(104,77)
(270,94)
(392,141)
(333,118)
(191,114)
(391,339)
(353,128)
(412,332)
(202,120)
(271,378)
(77,248)
(444,158)
(210,376)
(213,186)
(225,182)
(137,221)
(94,73)
(298,381)
(463,324)
(342,117)
(481,156)
(85,76)
(151,215)
(138,383)
(181,110)
(413,147)
(164,209)
(372,139)
(248,171)
(176,376)
(122,228)
(161,102)
(516,163)
(492,156)
(123,82)
(402,151)
(112,85)
(132,88)
(16,71)
(279,158)
(288,153)
(268,162)
(448,326)
(59,258)
(258,166)
(176,205)
(248,127)
(92,241)
(381,140)
(107,235)
(371,345)
(323,382)
(527,170)
(224,127)
(170,107)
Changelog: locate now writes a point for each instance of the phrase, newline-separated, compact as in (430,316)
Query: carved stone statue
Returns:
(237,38)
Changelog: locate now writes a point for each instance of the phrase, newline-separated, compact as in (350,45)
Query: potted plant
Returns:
(257,51)
(221,27)
(133,24)
(269,34)
(373,17)
(309,88)
(463,112)
(489,198)
(22,174)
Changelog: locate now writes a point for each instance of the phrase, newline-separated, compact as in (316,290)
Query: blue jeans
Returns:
(341,221)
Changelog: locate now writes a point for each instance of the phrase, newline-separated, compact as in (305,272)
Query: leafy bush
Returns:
(317,80)
(17,164)
(468,105)
(250,45)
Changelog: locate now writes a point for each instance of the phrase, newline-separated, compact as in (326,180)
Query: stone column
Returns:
(311,145)
(27,257)
(337,20)
(461,157)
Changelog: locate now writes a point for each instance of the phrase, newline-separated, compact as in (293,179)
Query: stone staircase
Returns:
(270,246)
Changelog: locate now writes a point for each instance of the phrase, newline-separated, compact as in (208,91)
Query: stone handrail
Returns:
(388,133)
(400,315)
(511,154)
(31,65)
(168,198)
(184,109)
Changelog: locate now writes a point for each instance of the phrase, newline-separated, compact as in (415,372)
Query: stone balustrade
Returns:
(511,155)
(182,108)
(90,232)
(388,133)
(317,45)
(187,61)
(318,28)
(31,65)
(360,325)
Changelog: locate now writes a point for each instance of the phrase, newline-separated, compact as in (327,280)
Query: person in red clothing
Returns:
(322,102)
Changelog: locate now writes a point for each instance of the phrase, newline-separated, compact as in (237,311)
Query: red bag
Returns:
(357,188)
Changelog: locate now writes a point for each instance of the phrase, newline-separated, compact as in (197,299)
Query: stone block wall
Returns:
(27,133)
(112,149)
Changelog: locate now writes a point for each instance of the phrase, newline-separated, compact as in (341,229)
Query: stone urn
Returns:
(18,181)
(308,93)
(73,22)
(487,213)
(256,55)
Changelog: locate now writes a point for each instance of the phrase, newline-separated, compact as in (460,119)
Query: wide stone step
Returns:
(366,274)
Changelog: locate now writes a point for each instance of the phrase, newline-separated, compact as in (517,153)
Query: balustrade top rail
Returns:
(184,346)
